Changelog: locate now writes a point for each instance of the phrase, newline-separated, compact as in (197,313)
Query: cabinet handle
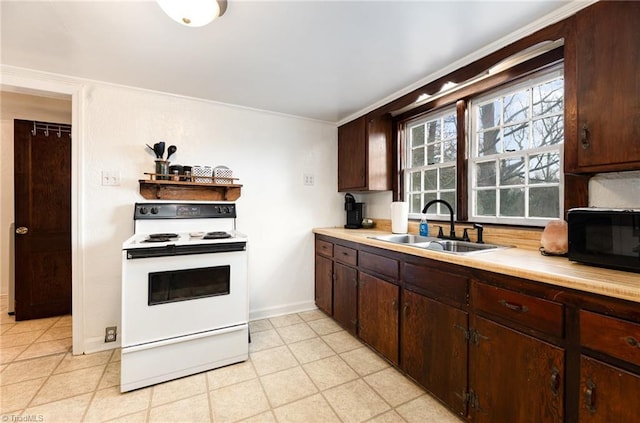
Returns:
(405,310)
(394,304)
(590,396)
(632,341)
(515,307)
(555,381)
(584,136)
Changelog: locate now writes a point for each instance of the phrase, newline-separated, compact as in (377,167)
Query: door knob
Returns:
(22,230)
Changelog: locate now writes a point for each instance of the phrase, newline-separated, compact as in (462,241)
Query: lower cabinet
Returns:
(491,347)
(607,394)
(345,297)
(378,303)
(324,284)
(434,348)
(513,377)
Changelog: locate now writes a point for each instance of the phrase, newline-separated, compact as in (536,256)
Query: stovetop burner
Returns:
(162,237)
(217,235)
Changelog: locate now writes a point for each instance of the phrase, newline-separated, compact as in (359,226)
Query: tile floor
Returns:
(302,368)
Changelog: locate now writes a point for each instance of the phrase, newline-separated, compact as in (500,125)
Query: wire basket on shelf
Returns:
(222,175)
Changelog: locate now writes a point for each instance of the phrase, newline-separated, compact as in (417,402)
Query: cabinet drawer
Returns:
(379,264)
(615,337)
(439,284)
(346,255)
(325,248)
(535,313)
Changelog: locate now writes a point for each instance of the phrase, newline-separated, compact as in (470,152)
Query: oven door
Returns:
(172,296)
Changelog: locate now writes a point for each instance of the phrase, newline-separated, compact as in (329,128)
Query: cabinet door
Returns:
(324,284)
(352,155)
(434,348)
(345,297)
(607,394)
(513,377)
(608,85)
(378,315)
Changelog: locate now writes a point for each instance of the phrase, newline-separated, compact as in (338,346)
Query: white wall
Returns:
(616,190)
(268,152)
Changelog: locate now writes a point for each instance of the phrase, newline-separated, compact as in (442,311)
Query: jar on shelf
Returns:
(162,169)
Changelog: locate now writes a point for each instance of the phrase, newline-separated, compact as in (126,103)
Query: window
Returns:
(514,138)
(515,168)
(431,161)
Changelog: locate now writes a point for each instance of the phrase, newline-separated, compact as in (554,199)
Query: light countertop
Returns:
(518,262)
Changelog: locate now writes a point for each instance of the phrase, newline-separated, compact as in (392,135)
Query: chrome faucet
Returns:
(452,230)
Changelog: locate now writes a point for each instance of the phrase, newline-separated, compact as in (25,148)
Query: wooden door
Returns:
(42,162)
(434,348)
(324,284)
(513,377)
(378,303)
(345,297)
(607,394)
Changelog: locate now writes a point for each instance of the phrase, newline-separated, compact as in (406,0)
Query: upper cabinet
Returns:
(364,154)
(606,135)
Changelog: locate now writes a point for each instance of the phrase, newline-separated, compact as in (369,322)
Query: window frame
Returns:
(548,74)
(440,114)
(460,99)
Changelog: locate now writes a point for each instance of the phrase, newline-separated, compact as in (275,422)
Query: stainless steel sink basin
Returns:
(405,239)
(460,247)
(437,244)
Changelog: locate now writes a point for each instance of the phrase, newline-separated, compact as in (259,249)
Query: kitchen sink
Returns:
(437,244)
(405,239)
(460,247)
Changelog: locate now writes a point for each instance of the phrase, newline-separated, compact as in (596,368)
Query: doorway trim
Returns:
(37,83)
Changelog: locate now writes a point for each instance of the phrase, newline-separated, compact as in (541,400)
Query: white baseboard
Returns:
(97,344)
(281,310)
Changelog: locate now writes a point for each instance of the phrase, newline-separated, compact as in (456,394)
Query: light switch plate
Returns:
(309,179)
(110,177)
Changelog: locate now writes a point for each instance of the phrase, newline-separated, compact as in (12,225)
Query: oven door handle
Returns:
(164,342)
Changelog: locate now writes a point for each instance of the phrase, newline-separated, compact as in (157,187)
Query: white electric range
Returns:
(185,300)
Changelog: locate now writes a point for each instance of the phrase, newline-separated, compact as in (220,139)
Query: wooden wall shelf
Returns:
(182,190)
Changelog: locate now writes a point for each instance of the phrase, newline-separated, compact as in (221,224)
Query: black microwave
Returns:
(605,237)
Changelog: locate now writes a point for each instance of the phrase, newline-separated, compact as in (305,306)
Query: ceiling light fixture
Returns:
(193,12)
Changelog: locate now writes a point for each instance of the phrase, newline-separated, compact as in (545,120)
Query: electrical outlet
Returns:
(110,334)
(110,177)
(309,179)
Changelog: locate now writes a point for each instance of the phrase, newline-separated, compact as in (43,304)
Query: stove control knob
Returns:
(225,210)
(154,210)
(144,210)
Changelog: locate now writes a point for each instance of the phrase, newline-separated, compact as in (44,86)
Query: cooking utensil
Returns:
(152,149)
(172,149)
(161,144)
(156,149)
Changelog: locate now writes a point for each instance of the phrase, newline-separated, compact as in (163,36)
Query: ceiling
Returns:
(325,60)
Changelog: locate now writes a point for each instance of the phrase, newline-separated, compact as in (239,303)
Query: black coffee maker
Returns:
(354,212)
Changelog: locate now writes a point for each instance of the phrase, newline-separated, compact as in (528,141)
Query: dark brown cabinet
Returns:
(513,377)
(607,393)
(324,284)
(378,303)
(324,276)
(489,346)
(607,89)
(364,154)
(345,298)
(434,348)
